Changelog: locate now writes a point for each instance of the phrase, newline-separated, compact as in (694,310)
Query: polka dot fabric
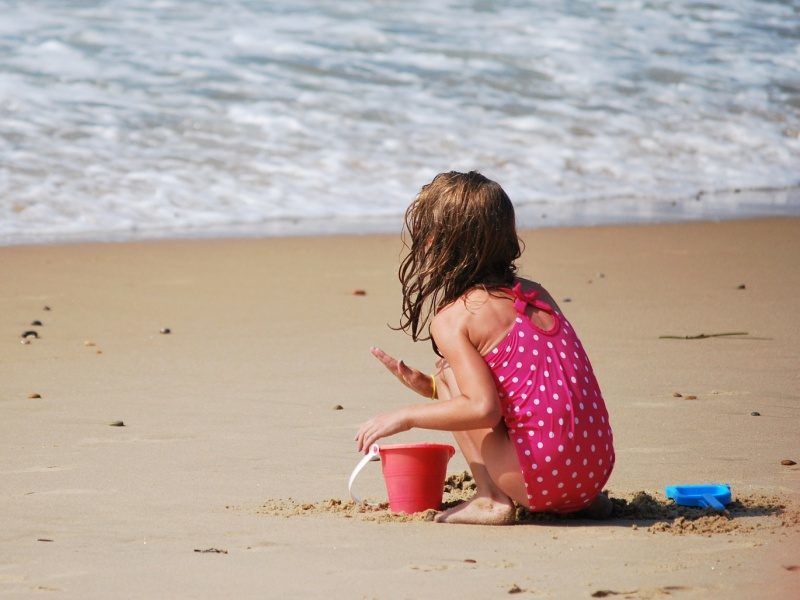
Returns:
(553,409)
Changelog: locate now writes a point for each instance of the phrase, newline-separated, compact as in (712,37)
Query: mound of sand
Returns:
(638,510)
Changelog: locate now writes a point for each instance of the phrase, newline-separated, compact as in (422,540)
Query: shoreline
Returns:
(704,206)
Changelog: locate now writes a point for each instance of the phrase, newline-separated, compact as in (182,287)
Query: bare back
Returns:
(489,316)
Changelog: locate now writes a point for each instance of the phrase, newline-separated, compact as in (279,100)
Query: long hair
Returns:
(460,233)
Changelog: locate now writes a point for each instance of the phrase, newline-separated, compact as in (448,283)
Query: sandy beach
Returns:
(231,414)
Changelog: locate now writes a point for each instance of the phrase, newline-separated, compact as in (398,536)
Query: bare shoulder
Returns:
(450,319)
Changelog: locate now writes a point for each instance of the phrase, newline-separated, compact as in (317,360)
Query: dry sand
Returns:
(220,482)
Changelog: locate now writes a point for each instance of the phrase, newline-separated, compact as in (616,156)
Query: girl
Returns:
(513,382)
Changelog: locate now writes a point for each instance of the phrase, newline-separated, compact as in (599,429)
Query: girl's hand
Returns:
(379,427)
(411,378)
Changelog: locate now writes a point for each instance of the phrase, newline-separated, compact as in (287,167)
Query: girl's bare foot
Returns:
(480,511)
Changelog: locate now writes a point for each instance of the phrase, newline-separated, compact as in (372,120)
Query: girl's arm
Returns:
(476,407)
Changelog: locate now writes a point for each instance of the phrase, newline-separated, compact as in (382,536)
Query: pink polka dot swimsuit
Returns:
(553,409)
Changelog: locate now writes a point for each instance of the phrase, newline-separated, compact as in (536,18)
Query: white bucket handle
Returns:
(373,454)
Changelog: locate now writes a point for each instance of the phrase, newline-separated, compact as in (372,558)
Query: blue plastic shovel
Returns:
(704,495)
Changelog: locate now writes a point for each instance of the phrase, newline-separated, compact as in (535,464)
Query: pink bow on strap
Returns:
(525,298)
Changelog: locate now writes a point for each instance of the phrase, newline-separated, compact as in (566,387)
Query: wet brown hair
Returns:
(460,233)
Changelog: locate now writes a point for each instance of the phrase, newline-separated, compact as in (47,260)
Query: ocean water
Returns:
(142,118)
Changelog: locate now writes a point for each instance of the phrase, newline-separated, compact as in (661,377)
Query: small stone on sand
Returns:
(25,341)
(36,323)
(34,395)
(89,343)
(470,560)
(165,331)
(787,462)
(359,292)
(30,333)
(43,540)
(46,308)
(99,352)
(116,424)
(677,395)
(515,589)
(755,413)
(741,287)
(338,407)
(690,397)
(567,299)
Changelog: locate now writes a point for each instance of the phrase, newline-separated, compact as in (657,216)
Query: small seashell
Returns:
(116,424)
(690,397)
(36,323)
(165,330)
(33,395)
(30,333)
(25,341)
(786,462)
(677,395)
(359,292)
(755,413)
(338,407)
(89,343)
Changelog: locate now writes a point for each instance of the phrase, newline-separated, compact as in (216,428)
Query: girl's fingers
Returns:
(382,356)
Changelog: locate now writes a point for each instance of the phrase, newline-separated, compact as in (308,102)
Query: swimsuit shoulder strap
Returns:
(523,299)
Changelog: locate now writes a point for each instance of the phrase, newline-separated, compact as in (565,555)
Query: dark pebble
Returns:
(515,589)
(470,560)
(34,395)
(741,286)
(30,333)
(567,299)
(359,292)
(36,323)
(755,413)
(46,308)
(677,395)
(116,424)
(338,407)
(787,462)
(43,540)
(165,331)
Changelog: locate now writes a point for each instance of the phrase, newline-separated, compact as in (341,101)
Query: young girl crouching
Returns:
(513,382)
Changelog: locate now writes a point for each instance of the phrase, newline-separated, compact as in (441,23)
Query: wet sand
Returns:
(229,427)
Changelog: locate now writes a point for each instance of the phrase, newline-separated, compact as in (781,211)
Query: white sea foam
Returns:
(131,118)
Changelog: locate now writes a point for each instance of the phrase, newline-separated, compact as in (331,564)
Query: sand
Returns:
(227,474)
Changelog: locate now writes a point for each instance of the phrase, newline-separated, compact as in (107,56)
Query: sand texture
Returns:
(181,421)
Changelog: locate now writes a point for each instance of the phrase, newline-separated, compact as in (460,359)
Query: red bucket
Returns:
(414,474)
